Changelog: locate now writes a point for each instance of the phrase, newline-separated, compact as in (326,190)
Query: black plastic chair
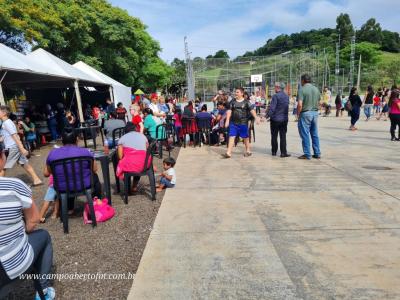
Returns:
(171,128)
(73,169)
(12,285)
(162,138)
(147,170)
(204,128)
(117,133)
(187,124)
(252,130)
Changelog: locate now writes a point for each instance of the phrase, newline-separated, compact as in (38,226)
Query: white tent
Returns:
(16,68)
(61,68)
(120,92)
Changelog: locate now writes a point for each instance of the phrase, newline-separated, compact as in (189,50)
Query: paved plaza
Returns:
(270,228)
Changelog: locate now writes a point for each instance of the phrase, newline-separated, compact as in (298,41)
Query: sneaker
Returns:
(49,294)
(316,156)
(303,157)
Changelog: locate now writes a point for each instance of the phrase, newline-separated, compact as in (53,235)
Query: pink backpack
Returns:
(102,210)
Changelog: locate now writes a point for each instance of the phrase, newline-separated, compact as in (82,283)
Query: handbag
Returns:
(102,210)
(348,106)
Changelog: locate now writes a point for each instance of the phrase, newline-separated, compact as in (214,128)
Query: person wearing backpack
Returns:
(237,118)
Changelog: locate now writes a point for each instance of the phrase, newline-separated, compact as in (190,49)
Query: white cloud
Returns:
(212,25)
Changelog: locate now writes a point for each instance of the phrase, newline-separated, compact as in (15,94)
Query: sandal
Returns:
(247,154)
(42,220)
(226,155)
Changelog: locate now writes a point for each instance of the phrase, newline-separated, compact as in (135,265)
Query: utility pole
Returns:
(337,70)
(359,74)
(189,72)
(352,54)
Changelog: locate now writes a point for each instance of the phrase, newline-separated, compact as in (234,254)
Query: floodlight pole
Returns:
(359,74)
(79,101)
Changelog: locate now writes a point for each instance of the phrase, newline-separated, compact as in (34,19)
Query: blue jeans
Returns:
(368,110)
(52,124)
(165,182)
(308,125)
(40,242)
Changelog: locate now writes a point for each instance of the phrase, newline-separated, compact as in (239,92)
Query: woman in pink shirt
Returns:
(394,114)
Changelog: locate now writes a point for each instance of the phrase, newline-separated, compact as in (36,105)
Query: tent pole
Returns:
(2,100)
(79,101)
(110,89)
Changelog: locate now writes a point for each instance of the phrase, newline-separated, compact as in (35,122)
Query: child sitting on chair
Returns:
(168,177)
(51,196)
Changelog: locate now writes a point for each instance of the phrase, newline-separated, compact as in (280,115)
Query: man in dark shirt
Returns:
(237,118)
(278,113)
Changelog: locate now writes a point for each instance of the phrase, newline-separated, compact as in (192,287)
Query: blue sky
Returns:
(238,26)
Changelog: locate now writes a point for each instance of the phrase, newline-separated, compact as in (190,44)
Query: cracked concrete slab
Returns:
(270,228)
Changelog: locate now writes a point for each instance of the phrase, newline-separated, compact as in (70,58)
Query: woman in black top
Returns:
(356,104)
(368,102)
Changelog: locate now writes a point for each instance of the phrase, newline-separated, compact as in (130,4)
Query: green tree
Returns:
(370,54)
(344,27)
(392,70)
(178,78)
(106,37)
(221,54)
(390,41)
(371,32)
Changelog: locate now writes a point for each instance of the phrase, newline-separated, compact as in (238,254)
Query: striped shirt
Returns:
(16,255)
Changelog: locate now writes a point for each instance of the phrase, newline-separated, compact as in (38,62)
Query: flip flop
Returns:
(37,184)
(226,155)
(247,154)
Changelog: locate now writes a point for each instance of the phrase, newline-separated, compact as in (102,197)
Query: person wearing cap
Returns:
(155,108)
(278,113)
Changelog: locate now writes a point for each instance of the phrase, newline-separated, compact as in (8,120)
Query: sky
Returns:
(239,26)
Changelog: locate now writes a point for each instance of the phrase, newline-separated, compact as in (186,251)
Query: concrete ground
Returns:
(270,228)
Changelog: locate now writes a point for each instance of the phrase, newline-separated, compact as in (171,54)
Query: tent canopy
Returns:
(121,92)
(139,92)
(61,68)
(40,69)
(16,68)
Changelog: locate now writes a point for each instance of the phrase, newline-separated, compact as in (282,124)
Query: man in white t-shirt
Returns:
(12,143)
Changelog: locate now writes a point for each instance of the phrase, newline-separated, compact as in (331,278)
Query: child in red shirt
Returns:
(136,118)
(377,103)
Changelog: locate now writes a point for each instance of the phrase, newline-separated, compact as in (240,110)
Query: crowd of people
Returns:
(144,123)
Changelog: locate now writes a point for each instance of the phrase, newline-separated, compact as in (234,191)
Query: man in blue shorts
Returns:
(237,119)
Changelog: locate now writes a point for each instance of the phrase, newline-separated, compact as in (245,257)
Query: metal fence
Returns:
(211,75)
